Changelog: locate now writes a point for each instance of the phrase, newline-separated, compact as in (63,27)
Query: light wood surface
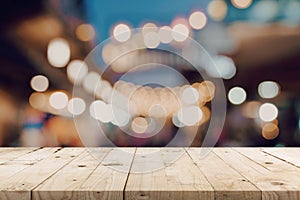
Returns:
(149,173)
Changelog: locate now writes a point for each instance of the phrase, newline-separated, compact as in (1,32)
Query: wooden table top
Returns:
(107,173)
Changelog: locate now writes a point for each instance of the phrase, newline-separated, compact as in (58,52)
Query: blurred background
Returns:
(255,45)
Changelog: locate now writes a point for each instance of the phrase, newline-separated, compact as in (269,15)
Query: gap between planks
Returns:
(101,178)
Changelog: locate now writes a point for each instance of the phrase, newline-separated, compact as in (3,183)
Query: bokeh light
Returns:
(237,95)
(176,122)
(151,40)
(76,106)
(149,27)
(58,52)
(38,100)
(197,20)
(242,4)
(206,91)
(103,90)
(236,35)
(180,32)
(139,125)
(217,10)
(39,83)
(58,100)
(190,115)
(165,34)
(90,82)
(121,32)
(268,89)
(190,95)
(251,109)
(268,112)
(101,111)
(76,71)
(120,117)
(157,111)
(85,32)
(270,131)
(224,68)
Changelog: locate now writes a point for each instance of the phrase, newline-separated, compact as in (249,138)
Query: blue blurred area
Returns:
(105,13)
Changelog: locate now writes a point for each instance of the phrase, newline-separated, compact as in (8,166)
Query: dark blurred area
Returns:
(255,45)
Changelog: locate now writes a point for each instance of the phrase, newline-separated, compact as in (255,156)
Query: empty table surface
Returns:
(149,173)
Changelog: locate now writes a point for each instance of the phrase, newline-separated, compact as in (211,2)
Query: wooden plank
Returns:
(30,157)
(289,174)
(36,155)
(225,173)
(109,179)
(290,155)
(267,181)
(19,186)
(66,182)
(7,154)
(270,162)
(227,182)
(5,150)
(180,180)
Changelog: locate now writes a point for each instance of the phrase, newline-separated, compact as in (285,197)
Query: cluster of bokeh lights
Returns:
(266,112)
(185,105)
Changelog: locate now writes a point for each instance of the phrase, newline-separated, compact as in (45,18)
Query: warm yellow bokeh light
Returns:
(242,4)
(217,10)
(85,32)
(149,27)
(38,100)
(206,91)
(270,131)
(139,125)
(158,111)
(251,108)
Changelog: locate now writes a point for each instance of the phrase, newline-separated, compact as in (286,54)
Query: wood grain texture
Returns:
(180,180)
(20,159)
(290,155)
(281,175)
(7,154)
(226,181)
(20,185)
(149,173)
(258,172)
(109,178)
(66,182)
